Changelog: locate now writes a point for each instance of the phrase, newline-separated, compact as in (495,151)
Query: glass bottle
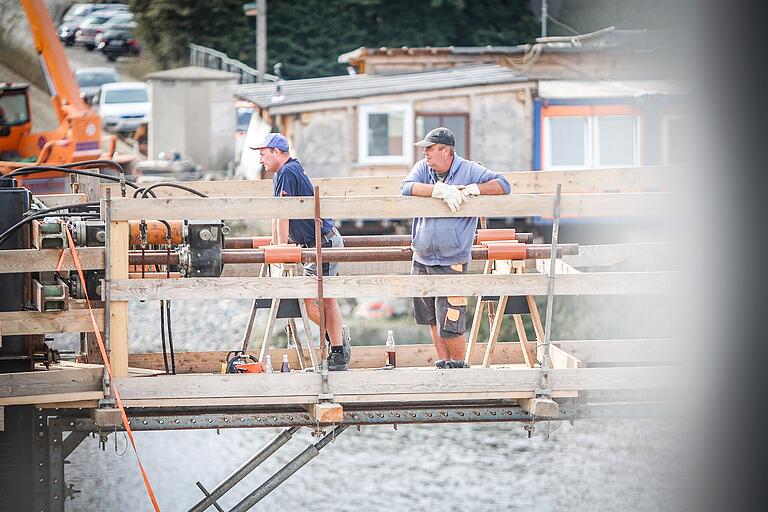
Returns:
(285,367)
(389,346)
(268,364)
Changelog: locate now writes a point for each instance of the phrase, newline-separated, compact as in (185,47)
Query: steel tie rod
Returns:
(289,469)
(241,472)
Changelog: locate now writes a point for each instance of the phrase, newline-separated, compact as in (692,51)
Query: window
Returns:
(457,123)
(385,134)
(591,141)
(617,141)
(567,141)
(13,109)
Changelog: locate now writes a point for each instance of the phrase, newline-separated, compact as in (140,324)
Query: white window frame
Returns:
(595,130)
(592,143)
(547,160)
(362,133)
(665,120)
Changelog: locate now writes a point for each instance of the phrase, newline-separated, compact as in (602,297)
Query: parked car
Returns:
(90,80)
(75,16)
(123,106)
(92,25)
(118,41)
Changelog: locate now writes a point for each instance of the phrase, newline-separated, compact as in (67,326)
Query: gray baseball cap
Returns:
(440,135)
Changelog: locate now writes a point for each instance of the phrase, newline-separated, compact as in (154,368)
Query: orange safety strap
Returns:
(103,350)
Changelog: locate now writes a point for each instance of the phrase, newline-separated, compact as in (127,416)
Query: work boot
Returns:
(338,362)
(441,363)
(456,363)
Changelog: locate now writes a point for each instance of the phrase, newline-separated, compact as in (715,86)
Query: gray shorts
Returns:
(450,311)
(329,269)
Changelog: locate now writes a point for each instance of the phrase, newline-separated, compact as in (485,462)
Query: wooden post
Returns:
(528,353)
(495,329)
(473,332)
(118,314)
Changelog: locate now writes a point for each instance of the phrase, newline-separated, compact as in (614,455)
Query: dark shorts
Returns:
(448,313)
(329,269)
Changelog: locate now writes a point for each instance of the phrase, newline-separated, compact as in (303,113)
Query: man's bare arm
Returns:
(491,188)
(422,190)
(282,231)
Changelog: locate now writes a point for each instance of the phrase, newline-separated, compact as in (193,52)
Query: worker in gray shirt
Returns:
(443,245)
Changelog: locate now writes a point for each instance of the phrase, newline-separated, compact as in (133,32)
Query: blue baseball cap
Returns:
(273,140)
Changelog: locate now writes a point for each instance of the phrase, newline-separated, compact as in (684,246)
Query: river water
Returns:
(594,465)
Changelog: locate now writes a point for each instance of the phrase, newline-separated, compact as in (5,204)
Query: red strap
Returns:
(103,350)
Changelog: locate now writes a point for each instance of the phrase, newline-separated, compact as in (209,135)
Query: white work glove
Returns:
(450,194)
(471,190)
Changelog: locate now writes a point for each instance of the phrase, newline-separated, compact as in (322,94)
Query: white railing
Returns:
(205,57)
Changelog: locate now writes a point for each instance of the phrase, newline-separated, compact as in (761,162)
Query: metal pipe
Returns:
(241,472)
(352,241)
(287,471)
(319,272)
(551,288)
(232,256)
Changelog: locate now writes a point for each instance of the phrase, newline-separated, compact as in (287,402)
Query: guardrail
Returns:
(205,57)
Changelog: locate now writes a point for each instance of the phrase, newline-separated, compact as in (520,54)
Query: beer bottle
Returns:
(285,367)
(390,348)
(268,364)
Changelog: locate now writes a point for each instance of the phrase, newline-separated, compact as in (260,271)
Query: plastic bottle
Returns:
(268,364)
(390,348)
(285,367)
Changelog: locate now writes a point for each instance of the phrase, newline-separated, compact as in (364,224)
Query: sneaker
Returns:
(441,363)
(340,362)
(456,363)
(337,362)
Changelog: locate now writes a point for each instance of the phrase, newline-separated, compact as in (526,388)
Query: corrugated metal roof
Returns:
(582,89)
(359,86)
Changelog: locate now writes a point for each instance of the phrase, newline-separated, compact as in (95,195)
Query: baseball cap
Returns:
(273,140)
(437,136)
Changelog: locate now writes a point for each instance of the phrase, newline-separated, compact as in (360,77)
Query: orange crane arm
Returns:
(64,90)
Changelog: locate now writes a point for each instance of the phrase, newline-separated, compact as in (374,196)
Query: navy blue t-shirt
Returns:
(291,181)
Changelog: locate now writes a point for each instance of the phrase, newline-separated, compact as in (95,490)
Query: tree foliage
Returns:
(308,36)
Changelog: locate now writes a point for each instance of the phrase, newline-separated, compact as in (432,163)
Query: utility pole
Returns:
(259,9)
(543,18)
(261,38)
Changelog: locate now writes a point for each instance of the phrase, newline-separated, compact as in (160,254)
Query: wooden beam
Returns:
(559,358)
(394,207)
(55,385)
(46,260)
(540,407)
(560,267)
(55,200)
(326,412)
(525,182)
(34,322)
(597,283)
(402,384)
(623,351)
(408,356)
(118,309)
(613,254)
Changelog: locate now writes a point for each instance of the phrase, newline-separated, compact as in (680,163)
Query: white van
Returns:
(123,106)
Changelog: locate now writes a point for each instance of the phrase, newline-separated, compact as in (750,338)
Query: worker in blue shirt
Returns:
(443,245)
(291,180)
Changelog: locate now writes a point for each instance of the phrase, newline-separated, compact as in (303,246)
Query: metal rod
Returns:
(352,241)
(551,283)
(205,491)
(287,471)
(241,256)
(319,271)
(241,472)
(107,285)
